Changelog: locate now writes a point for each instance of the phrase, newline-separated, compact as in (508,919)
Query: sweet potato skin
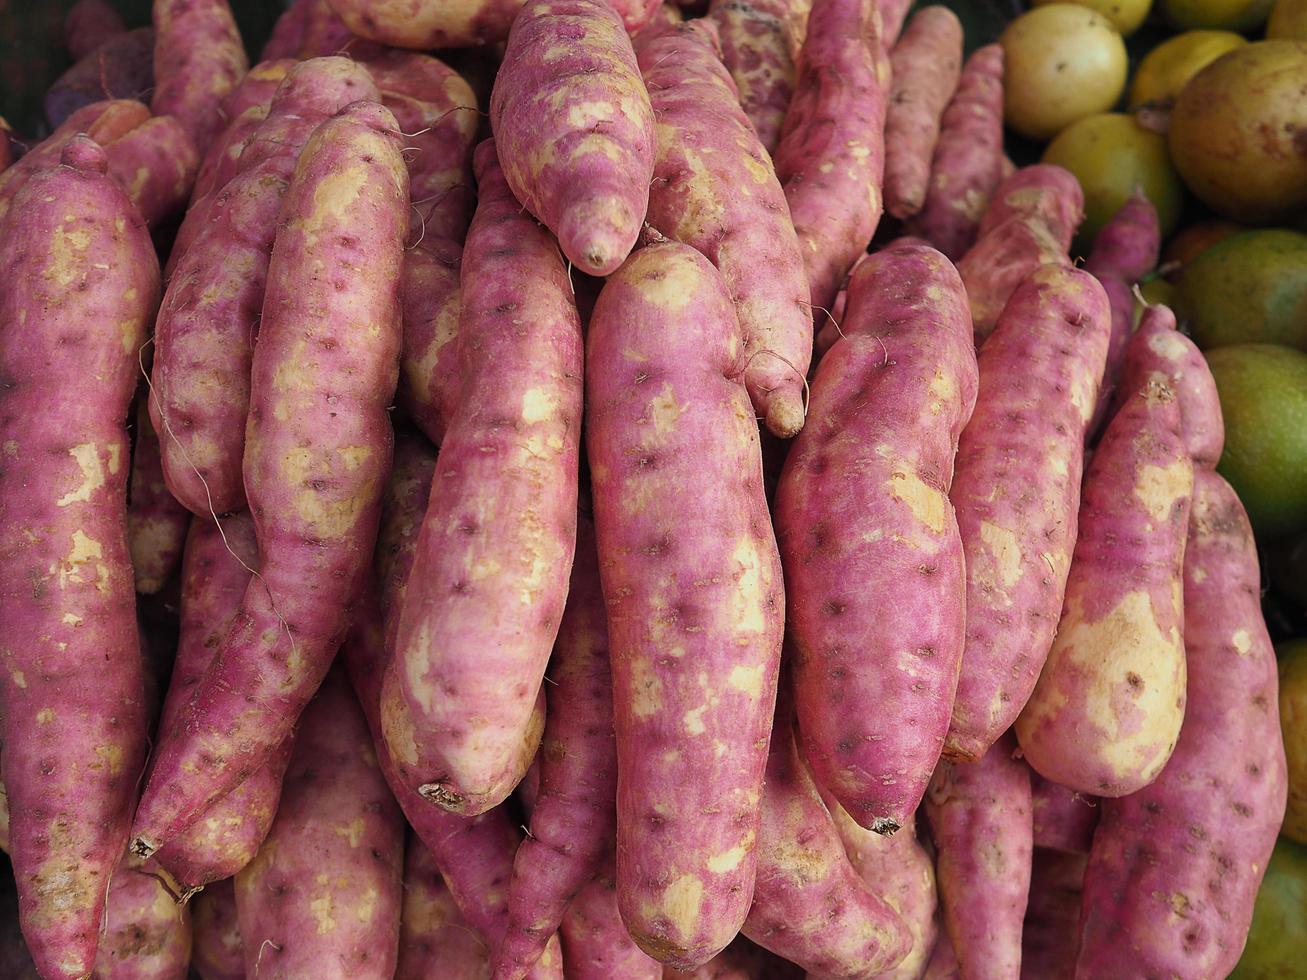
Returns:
(216,947)
(319,344)
(459,707)
(690,574)
(892,15)
(1016,492)
(147,936)
(78,284)
(1106,712)
(1050,936)
(434,938)
(118,68)
(429,380)
(596,945)
(323,896)
(878,618)
(574,128)
(1175,866)
(198,60)
(831,155)
(307,29)
(1064,819)
(980,817)
(714,188)
(155,164)
(924,69)
(968,159)
(88,24)
(156,522)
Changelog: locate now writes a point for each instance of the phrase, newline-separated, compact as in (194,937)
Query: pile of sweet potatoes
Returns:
(432,542)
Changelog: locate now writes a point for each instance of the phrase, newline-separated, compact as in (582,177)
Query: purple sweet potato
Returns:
(429,380)
(831,156)
(759,38)
(1064,819)
(147,936)
(714,189)
(198,60)
(119,68)
(1050,936)
(596,945)
(1176,865)
(741,960)
(810,905)
(216,948)
(79,282)
(460,705)
(892,15)
(307,29)
(88,24)
(980,818)
(924,69)
(1016,492)
(574,128)
(434,938)
(943,964)
(323,896)
(328,351)
(968,160)
(155,164)
(873,560)
(690,575)
(1106,712)
(216,572)
(574,813)
(156,522)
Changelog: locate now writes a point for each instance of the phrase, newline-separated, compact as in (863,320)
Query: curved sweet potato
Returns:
(198,60)
(434,938)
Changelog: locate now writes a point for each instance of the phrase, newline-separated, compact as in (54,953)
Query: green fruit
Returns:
(1293,723)
(1229,15)
(1278,939)
(1263,389)
(1248,289)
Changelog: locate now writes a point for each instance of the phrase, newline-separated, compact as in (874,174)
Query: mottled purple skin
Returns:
(696,604)
(1125,250)
(873,559)
(1175,866)
(216,948)
(322,898)
(596,945)
(88,24)
(307,29)
(714,189)
(943,963)
(119,68)
(460,702)
(1106,712)
(146,935)
(1016,492)
(574,813)
(322,383)
(924,69)
(892,15)
(155,164)
(809,904)
(429,378)
(156,522)
(968,160)
(574,128)
(741,960)
(215,575)
(198,60)
(78,284)
(1064,819)
(1042,191)
(1050,936)
(434,938)
(980,817)
(212,309)
(1159,352)
(831,156)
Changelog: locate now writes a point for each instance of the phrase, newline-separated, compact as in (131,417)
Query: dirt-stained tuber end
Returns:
(885,826)
(442,796)
(142,848)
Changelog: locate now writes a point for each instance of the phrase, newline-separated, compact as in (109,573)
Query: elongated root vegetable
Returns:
(88,24)
(873,560)
(574,815)
(323,896)
(156,522)
(809,905)
(1175,866)
(328,350)
(155,164)
(690,576)
(714,188)
(831,157)
(1017,492)
(1106,712)
(924,69)
(980,818)
(574,128)
(434,938)
(1029,222)
(198,60)
(120,68)
(78,284)
(596,945)
(459,707)
(215,575)
(1050,936)
(429,381)
(1064,819)
(308,29)
(759,38)
(892,15)
(968,160)
(204,337)
(216,945)
(146,935)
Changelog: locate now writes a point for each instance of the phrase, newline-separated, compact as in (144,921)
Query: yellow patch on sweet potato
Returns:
(322,910)
(681,904)
(87,456)
(333,199)
(1160,487)
(352,831)
(728,860)
(1005,549)
(68,260)
(748,613)
(646,688)
(747,679)
(928,504)
(1242,642)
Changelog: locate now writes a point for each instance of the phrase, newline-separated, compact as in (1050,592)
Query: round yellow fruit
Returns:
(1165,69)
(1288,20)
(1063,62)
(1293,723)
(1239,132)
(1227,15)
(1125,15)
